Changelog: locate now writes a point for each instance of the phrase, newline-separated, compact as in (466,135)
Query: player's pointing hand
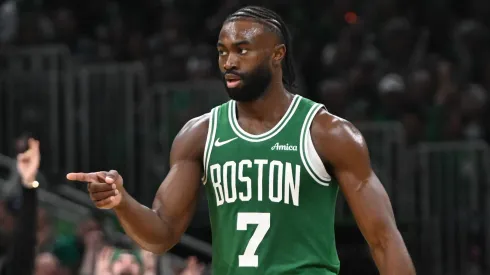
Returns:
(105,188)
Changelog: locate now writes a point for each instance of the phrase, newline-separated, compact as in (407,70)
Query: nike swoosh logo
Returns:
(217,143)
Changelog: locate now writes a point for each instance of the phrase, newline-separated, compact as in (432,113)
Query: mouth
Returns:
(232,81)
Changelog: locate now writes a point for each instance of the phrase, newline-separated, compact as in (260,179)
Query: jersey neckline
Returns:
(235,126)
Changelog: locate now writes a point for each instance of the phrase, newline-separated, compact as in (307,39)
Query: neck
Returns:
(269,107)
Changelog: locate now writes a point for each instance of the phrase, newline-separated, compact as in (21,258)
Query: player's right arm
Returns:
(160,228)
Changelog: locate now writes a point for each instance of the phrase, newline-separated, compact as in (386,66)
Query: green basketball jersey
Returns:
(271,201)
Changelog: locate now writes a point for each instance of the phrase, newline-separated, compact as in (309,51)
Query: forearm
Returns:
(391,256)
(144,226)
(88,262)
(23,250)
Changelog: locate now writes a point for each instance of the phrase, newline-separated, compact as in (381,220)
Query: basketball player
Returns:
(271,163)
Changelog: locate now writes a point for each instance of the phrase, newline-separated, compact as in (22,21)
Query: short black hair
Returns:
(273,22)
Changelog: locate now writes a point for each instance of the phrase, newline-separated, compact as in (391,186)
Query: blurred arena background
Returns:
(106,84)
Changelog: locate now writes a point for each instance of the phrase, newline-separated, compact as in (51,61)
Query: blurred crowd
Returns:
(423,63)
(29,245)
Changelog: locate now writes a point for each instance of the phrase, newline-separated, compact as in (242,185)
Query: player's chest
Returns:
(236,149)
(253,172)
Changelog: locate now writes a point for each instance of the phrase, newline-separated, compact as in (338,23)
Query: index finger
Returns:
(33,144)
(85,177)
(32,151)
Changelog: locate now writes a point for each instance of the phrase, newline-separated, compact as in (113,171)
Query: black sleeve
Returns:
(22,255)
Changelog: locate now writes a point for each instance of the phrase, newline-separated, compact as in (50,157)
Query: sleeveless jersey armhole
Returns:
(213,119)
(311,160)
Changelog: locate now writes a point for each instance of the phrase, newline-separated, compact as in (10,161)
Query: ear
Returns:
(279,54)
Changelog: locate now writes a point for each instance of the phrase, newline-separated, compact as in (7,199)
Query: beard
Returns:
(253,86)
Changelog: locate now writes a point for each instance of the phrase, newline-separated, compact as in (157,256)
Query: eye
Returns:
(221,52)
(243,51)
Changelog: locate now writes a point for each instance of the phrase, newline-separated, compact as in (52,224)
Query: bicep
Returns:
(176,198)
(344,148)
(366,196)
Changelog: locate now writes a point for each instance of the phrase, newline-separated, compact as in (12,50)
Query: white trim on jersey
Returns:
(311,160)
(235,126)
(213,122)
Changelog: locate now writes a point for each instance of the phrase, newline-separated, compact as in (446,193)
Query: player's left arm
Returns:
(342,146)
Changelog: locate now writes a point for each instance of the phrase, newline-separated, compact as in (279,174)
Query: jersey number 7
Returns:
(263,222)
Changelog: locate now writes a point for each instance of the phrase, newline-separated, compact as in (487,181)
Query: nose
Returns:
(231,63)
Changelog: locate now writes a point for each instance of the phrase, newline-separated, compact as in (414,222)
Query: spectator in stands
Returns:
(473,105)
(444,120)
(391,90)
(105,257)
(413,120)
(6,227)
(115,261)
(193,267)
(333,93)
(21,255)
(77,252)
(126,262)
(44,234)
(46,264)
(397,45)
(149,262)
(420,89)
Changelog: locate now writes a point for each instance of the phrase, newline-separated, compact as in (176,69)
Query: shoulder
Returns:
(337,140)
(197,125)
(191,139)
